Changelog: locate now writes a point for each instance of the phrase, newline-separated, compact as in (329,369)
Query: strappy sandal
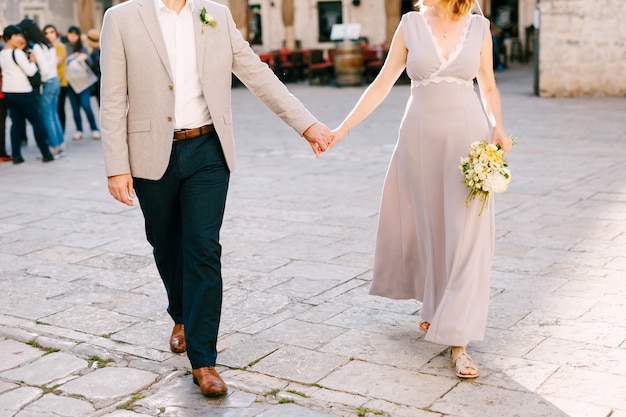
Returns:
(424,326)
(463,362)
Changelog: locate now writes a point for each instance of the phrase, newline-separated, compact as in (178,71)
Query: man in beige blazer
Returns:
(167,135)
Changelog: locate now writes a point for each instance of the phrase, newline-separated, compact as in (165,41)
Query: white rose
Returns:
(497,183)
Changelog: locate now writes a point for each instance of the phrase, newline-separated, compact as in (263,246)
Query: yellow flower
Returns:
(484,170)
(207,19)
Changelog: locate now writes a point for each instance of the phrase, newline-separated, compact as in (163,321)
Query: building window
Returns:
(328,14)
(36,13)
(256,30)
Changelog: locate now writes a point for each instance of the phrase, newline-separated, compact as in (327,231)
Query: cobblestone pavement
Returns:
(83,327)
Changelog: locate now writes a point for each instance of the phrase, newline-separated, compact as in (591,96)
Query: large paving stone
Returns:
(283,410)
(298,364)
(598,388)
(580,355)
(304,334)
(46,369)
(14,354)
(182,393)
(14,400)
(146,333)
(91,320)
(389,383)
(470,399)
(6,386)
(38,286)
(30,306)
(69,254)
(573,408)
(57,406)
(210,411)
(109,382)
(246,350)
(375,320)
(119,261)
(405,349)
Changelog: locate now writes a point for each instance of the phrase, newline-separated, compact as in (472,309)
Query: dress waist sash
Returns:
(438,79)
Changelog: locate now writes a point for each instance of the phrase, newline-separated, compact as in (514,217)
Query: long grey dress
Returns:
(430,247)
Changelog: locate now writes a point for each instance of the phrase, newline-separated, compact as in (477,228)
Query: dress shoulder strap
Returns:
(479,8)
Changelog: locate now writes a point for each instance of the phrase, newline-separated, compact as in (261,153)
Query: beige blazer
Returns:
(137,92)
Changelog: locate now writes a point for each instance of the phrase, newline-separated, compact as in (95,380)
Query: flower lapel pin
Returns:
(207,19)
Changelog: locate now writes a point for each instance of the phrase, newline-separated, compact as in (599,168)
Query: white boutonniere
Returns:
(207,19)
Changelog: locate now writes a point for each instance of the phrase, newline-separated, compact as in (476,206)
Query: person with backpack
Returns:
(4,156)
(46,56)
(18,93)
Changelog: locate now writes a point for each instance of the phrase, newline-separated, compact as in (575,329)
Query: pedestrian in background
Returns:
(4,156)
(82,99)
(93,42)
(167,134)
(53,36)
(18,93)
(49,97)
(430,246)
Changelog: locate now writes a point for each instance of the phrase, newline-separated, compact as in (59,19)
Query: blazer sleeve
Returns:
(264,84)
(114,87)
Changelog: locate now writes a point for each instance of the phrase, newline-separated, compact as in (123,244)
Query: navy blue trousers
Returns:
(22,107)
(183,214)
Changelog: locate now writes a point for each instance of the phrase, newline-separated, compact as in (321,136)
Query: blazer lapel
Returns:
(199,34)
(149,18)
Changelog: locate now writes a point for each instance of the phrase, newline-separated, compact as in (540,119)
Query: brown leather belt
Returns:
(183,134)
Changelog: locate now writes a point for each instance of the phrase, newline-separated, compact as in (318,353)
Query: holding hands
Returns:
(322,139)
(319,137)
(339,132)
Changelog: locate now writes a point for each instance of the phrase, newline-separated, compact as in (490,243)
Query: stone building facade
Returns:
(582,43)
(582,48)
(60,13)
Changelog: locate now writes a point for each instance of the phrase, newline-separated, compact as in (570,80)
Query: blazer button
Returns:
(169,119)
(171,87)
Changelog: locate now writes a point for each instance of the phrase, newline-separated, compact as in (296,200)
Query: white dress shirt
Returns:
(190,107)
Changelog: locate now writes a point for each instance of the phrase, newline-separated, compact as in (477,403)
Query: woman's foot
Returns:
(78,135)
(463,363)
(424,326)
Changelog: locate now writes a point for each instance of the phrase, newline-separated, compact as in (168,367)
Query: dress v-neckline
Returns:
(459,45)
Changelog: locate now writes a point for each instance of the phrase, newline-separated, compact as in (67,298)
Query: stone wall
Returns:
(582,49)
(370,14)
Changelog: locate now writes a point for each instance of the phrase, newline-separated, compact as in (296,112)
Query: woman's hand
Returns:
(502,139)
(338,133)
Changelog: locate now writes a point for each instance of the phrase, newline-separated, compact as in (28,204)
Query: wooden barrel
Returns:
(348,63)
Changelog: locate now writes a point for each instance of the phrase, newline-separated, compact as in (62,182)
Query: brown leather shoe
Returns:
(210,382)
(177,339)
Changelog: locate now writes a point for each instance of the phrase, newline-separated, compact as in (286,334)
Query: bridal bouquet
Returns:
(485,171)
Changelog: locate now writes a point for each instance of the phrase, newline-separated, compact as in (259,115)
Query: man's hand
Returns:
(121,188)
(319,136)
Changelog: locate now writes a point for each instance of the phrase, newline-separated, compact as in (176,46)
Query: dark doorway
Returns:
(504,14)
(329,13)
